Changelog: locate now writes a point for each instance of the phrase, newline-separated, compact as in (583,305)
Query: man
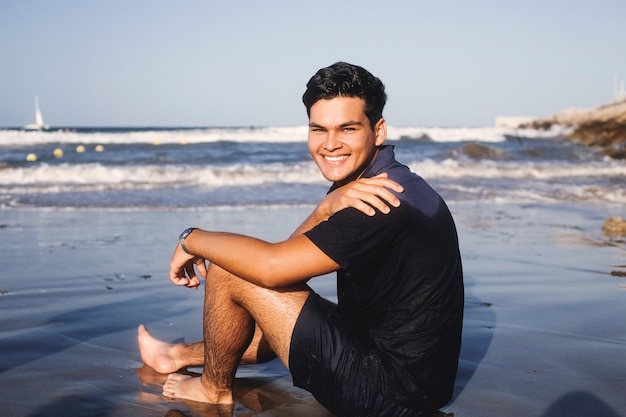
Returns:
(390,346)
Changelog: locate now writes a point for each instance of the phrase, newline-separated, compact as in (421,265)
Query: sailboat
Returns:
(39,124)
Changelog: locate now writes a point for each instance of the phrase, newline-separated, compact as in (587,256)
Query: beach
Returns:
(89,218)
(544,332)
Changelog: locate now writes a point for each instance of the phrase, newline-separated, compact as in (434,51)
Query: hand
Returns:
(365,195)
(182,271)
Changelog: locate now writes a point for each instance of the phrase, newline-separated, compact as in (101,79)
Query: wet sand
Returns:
(544,332)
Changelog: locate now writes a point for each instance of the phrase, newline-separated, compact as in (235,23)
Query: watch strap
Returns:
(183,236)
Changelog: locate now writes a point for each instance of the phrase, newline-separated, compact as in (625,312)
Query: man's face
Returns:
(341,141)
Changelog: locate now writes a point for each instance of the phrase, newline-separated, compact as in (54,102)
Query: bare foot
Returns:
(155,353)
(191,388)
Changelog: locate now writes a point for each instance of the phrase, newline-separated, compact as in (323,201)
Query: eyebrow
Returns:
(345,124)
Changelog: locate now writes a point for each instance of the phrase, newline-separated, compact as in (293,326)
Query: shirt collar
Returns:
(384,157)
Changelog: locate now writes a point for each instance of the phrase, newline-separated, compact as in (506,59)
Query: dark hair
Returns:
(346,80)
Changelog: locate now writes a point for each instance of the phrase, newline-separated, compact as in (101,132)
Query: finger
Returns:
(193,281)
(387,183)
(392,185)
(178,274)
(389,197)
(201,267)
(374,203)
(364,207)
(375,194)
(180,281)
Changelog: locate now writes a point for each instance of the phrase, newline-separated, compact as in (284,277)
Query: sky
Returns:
(246,63)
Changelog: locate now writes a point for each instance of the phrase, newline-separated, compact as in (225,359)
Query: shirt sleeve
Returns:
(351,238)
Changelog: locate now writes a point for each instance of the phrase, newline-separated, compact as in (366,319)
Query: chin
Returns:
(335,174)
(338,179)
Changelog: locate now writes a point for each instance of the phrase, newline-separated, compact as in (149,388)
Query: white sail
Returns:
(38,116)
(39,124)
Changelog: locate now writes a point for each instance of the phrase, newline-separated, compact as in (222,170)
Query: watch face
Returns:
(186,232)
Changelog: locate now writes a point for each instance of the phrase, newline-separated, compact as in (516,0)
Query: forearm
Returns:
(260,262)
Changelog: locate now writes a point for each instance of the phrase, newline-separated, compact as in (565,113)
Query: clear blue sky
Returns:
(225,63)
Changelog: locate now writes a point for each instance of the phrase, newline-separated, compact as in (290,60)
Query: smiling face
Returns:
(341,140)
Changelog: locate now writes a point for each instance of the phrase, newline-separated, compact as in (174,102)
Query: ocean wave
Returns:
(52,178)
(154,136)
(306,173)
(265,166)
(464,134)
(252,134)
(453,169)
(549,193)
(287,195)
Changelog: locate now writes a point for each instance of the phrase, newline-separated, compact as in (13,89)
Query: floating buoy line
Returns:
(59,153)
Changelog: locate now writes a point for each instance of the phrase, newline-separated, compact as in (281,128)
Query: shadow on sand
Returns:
(478,326)
(580,404)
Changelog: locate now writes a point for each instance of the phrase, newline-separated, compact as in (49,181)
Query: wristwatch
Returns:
(183,236)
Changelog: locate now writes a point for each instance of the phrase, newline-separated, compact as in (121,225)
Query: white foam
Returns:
(269,134)
(514,181)
(94,175)
(261,134)
(451,168)
(460,134)
(305,173)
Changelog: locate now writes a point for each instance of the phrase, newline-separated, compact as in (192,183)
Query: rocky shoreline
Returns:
(603,126)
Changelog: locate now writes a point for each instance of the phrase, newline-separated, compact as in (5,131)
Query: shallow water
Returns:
(543,333)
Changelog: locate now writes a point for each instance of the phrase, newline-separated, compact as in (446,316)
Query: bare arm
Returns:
(365,194)
(279,264)
(266,264)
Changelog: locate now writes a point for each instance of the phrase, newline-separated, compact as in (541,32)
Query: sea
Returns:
(230,167)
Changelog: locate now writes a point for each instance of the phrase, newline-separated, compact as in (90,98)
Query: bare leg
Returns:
(259,350)
(232,306)
(166,357)
(228,330)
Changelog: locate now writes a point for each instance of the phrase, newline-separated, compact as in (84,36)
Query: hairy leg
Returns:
(259,350)
(166,357)
(228,330)
(232,307)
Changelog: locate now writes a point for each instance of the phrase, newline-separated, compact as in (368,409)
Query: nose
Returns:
(331,142)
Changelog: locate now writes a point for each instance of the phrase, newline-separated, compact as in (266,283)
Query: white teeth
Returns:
(335,158)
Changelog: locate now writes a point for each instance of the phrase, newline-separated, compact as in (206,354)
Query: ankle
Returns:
(216,395)
(178,356)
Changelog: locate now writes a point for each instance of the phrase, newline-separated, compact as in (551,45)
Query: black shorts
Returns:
(341,368)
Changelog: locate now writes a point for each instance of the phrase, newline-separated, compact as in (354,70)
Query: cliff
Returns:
(603,126)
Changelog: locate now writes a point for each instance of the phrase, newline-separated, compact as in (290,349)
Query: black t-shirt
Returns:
(401,281)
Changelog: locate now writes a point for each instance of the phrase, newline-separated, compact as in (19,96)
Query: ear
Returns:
(381,131)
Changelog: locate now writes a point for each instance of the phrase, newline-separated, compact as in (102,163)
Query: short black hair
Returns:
(347,80)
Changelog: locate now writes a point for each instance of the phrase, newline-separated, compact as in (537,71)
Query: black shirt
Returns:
(401,282)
